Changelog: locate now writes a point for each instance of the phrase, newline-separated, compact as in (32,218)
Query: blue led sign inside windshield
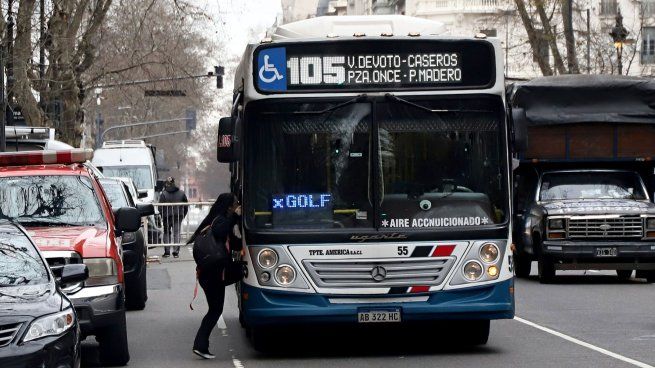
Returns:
(302,201)
(302,209)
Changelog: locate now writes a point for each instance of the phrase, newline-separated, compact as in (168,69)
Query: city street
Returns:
(582,315)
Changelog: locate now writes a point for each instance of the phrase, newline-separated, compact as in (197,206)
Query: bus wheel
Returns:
(624,275)
(522,265)
(546,270)
(260,339)
(477,332)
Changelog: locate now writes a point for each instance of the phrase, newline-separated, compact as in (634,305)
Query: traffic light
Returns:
(218,72)
(190,121)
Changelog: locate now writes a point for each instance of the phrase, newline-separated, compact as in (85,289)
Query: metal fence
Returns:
(174,223)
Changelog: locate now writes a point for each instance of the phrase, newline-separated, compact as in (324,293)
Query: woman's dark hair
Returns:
(220,207)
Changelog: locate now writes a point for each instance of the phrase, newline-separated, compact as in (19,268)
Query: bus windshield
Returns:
(310,170)
(375,165)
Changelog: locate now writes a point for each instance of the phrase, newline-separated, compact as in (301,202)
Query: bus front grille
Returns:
(379,273)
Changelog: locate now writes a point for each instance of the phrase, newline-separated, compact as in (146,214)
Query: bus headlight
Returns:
(489,252)
(473,270)
(285,275)
(267,258)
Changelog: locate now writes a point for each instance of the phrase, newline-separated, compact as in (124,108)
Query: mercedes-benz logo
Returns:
(379,273)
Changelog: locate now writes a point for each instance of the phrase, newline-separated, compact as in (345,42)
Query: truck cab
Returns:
(589,219)
(63,207)
(583,188)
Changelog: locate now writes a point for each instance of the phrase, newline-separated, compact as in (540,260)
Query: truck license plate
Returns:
(379,316)
(607,252)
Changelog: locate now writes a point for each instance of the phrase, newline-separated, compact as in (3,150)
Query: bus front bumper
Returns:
(262,307)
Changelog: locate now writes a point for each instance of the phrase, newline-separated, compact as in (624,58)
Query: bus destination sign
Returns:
(374,66)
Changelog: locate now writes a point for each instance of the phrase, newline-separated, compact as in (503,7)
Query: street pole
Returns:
(98,118)
(10,52)
(42,42)
(619,51)
(588,41)
(3,100)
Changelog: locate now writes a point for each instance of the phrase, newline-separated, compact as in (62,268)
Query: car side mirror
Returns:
(159,186)
(519,130)
(71,273)
(127,219)
(226,145)
(142,193)
(146,209)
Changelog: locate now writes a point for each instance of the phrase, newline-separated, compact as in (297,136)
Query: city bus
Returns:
(371,156)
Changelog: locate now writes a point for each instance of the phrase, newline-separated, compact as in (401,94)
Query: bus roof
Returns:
(344,26)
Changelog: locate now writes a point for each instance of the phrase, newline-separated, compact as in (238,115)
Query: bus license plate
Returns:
(607,252)
(379,316)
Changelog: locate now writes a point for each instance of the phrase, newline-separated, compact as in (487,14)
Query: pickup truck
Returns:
(583,188)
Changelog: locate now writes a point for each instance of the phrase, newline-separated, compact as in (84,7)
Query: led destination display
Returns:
(374,65)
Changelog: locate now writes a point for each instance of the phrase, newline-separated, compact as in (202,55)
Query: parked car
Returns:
(64,208)
(155,231)
(38,324)
(135,251)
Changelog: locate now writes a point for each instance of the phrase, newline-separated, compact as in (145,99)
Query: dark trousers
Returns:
(215,293)
(171,233)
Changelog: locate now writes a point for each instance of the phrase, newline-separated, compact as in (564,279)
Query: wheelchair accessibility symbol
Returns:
(267,67)
(272,69)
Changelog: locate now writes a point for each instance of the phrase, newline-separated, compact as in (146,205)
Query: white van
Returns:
(132,159)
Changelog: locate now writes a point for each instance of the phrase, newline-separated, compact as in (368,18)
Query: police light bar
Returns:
(73,156)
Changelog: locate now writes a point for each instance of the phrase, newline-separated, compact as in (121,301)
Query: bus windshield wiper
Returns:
(395,98)
(359,98)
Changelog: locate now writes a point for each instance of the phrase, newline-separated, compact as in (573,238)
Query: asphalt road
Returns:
(590,320)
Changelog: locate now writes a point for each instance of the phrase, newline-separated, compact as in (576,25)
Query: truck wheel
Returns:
(113,349)
(624,275)
(546,269)
(137,295)
(522,265)
(648,275)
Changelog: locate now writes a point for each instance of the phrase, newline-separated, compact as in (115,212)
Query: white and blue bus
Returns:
(371,157)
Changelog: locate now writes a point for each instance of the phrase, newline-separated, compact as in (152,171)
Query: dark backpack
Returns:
(207,251)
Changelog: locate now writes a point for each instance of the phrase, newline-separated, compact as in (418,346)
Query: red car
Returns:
(60,202)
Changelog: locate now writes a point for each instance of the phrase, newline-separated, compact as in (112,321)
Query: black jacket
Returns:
(223,229)
(173,195)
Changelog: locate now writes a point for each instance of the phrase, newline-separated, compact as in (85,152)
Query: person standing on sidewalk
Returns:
(172,216)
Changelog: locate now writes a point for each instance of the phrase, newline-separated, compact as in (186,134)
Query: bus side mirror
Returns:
(519,130)
(226,146)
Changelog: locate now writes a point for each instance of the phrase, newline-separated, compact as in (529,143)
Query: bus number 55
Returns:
(317,70)
(403,250)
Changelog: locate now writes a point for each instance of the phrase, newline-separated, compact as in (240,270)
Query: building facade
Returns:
(595,49)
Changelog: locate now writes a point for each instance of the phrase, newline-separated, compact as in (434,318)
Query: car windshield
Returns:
(141,175)
(591,185)
(115,193)
(442,164)
(20,263)
(325,165)
(49,200)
